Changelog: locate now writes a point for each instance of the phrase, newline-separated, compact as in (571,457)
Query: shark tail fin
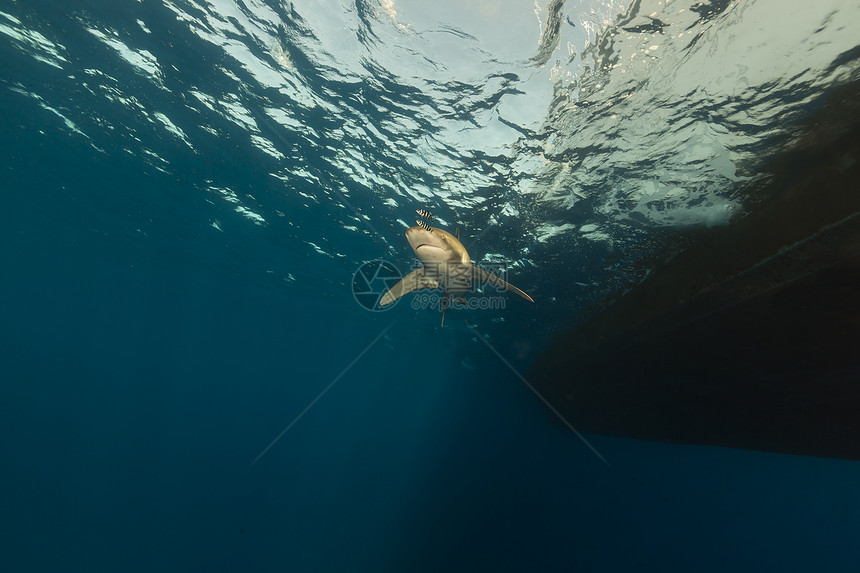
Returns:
(446,302)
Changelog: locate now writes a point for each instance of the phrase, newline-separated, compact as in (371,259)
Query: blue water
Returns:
(170,302)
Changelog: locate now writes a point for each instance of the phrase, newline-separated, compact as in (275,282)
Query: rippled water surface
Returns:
(563,134)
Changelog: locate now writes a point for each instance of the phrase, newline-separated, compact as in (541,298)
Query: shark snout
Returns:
(429,244)
(418,237)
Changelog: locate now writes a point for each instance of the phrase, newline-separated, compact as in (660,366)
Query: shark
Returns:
(445,263)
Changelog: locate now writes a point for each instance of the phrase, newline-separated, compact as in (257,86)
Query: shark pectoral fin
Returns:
(413,281)
(484,276)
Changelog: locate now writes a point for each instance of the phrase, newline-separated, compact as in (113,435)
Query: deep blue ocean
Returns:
(189,186)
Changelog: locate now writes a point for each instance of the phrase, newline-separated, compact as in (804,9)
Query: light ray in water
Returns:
(539,395)
(320,395)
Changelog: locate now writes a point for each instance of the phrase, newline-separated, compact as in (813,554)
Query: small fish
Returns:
(423,224)
(424,213)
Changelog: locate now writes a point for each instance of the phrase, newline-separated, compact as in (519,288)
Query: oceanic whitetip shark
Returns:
(445,263)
